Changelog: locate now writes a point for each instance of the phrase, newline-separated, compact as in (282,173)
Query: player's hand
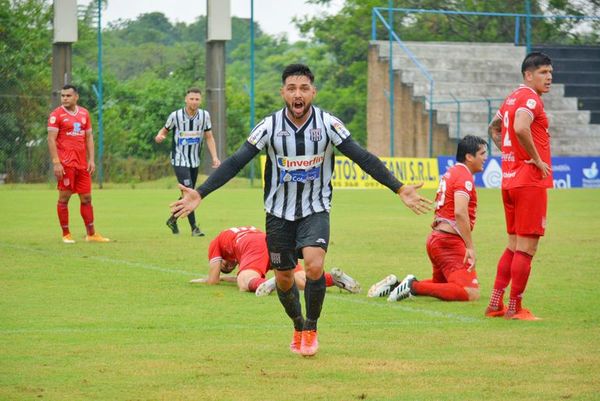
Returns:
(59,171)
(190,200)
(216,162)
(198,280)
(412,199)
(159,138)
(91,167)
(542,166)
(470,259)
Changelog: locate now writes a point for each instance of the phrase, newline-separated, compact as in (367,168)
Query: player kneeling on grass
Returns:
(247,247)
(450,245)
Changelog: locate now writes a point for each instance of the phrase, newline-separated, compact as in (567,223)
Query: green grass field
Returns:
(119,321)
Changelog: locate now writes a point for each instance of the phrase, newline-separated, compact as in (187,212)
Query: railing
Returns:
(393,37)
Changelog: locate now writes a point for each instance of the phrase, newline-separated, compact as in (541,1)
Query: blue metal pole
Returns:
(528,25)
(100,100)
(517,29)
(391,73)
(252,81)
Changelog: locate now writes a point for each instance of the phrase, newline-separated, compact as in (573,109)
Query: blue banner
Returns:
(568,172)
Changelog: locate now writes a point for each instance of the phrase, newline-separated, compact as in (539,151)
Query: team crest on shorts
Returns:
(315,134)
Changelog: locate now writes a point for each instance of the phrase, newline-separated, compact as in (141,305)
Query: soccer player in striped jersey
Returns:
(520,131)
(247,247)
(299,141)
(191,125)
(450,244)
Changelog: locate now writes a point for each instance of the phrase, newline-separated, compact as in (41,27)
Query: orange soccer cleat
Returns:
(68,239)
(522,314)
(96,238)
(296,343)
(499,312)
(310,343)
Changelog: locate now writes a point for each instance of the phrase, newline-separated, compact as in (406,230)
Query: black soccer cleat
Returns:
(172,224)
(197,232)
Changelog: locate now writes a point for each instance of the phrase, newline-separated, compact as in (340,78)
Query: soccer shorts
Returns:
(254,254)
(285,239)
(186,176)
(75,180)
(447,252)
(525,210)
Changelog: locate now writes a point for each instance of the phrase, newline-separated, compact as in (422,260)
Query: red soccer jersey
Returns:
(457,180)
(515,172)
(70,141)
(224,246)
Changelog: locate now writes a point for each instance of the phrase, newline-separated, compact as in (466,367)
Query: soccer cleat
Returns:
(68,239)
(172,224)
(96,238)
(196,232)
(383,287)
(310,343)
(265,288)
(499,312)
(344,281)
(296,343)
(522,314)
(403,290)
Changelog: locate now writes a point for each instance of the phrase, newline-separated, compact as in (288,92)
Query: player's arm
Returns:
(522,127)
(212,148)
(214,272)
(495,131)
(226,171)
(461,213)
(56,164)
(376,169)
(161,135)
(89,147)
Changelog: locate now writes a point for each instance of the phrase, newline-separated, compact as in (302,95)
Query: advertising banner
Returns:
(568,172)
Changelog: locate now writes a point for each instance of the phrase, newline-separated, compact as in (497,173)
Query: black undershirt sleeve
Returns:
(369,163)
(228,169)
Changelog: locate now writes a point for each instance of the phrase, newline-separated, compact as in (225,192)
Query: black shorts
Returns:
(186,175)
(285,239)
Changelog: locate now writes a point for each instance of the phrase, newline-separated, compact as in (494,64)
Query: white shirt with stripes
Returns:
(300,162)
(187,136)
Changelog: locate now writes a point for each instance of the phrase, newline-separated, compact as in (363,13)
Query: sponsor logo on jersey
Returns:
(282,133)
(52,120)
(299,162)
(77,127)
(511,101)
(189,137)
(300,175)
(320,241)
(315,135)
(531,103)
(340,129)
(469,185)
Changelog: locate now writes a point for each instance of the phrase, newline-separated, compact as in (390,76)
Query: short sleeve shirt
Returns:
(71,139)
(457,180)
(224,246)
(515,172)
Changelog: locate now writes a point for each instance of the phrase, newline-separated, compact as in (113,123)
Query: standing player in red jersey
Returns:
(450,245)
(520,130)
(71,147)
(247,247)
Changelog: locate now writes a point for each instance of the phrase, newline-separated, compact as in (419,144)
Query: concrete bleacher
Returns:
(476,71)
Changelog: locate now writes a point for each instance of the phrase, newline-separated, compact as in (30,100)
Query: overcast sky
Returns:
(274,16)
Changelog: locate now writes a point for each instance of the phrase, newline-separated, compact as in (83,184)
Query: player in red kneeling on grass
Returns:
(71,147)
(450,245)
(247,247)
(520,130)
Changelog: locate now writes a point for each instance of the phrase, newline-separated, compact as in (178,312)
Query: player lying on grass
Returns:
(449,245)
(247,247)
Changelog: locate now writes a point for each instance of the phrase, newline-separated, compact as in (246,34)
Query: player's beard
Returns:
(295,114)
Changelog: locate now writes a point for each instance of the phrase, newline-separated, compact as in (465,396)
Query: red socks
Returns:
(443,291)
(255,282)
(62,209)
(328,280)
(503,275)
(520,269)
(87,213)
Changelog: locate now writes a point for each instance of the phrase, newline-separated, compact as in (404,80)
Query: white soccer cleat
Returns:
(344,281)
(403,290)
(266,288)
(383,287)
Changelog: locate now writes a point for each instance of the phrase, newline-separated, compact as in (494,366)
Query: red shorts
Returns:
(75,180)
(447,252)
(525,210)
(254,254)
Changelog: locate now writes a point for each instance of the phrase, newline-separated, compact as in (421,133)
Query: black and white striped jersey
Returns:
(188,133)
(300,162)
